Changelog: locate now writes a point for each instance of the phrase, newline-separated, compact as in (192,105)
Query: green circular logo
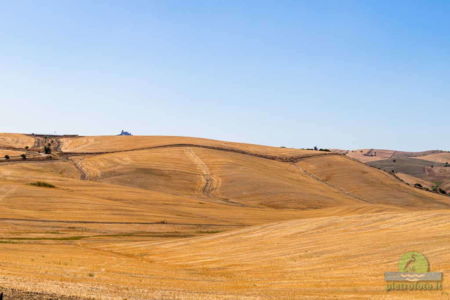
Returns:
(414,262)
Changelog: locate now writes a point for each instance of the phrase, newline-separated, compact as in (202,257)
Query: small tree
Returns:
(26,147)
(7,157)
(24,156)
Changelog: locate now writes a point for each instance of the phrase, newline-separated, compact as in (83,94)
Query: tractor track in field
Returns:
(211,183)
(77,164)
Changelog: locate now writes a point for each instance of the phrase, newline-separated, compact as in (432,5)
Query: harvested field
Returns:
(128,219)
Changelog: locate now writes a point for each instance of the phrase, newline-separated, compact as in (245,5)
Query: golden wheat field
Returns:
(155,217)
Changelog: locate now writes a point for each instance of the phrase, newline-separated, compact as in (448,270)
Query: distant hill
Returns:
(427,168)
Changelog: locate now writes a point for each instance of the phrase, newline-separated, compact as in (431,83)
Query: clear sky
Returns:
(337,74)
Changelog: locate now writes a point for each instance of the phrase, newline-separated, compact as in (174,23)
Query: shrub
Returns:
(47,150)
(437,189)
(43,184)
(7,156)
(24,157)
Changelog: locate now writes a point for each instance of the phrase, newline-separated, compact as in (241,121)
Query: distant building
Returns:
(125,133)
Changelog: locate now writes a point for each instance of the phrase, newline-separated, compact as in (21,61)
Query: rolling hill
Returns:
(439,157)
(150,217)
(427,169)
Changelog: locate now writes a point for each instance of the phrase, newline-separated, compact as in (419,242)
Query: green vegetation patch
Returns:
(43,184)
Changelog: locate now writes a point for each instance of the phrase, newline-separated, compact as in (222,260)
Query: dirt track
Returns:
(210,182)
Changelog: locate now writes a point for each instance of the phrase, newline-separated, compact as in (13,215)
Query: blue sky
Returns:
(337,74)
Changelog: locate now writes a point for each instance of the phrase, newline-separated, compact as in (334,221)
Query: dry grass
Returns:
(15,140)
(438,157)
(412,180)
(371,185)
(11,153)
(121,143)
(196,223)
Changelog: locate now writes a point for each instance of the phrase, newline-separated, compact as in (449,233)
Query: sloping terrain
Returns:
(102,144)
(368,155)
(368,184)
(217,176)
(415,181)
(439,157)
(427,169)
(412,166)
(187,218)
(319,258)
(333,256)
(434,173)
(372,155)
(11,153)
(14,140)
